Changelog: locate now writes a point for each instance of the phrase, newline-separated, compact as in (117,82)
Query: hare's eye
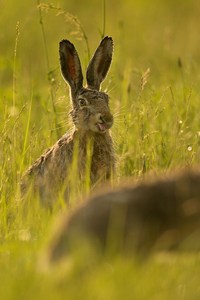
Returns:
(82,102)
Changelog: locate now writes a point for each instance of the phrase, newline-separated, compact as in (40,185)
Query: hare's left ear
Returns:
(71,66)
(99,65)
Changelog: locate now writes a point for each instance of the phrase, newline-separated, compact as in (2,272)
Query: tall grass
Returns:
(154,88)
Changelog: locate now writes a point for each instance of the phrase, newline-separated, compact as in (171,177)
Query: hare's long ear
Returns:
(99,65)
(71,66)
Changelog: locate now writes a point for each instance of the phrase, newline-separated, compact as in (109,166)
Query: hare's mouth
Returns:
(103,124)
(102,127)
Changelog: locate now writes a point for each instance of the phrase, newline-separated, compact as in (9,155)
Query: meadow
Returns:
(154,88)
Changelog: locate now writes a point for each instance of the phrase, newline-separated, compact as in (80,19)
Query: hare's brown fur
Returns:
(152,215)
(92,120)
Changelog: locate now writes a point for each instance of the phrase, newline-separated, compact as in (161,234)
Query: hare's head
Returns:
(90,106)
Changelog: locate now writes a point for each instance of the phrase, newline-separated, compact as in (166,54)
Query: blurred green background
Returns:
(164,30)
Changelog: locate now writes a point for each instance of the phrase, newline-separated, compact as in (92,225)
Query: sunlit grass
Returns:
(154,88)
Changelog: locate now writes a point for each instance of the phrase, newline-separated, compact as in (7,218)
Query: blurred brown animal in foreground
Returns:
(141,218)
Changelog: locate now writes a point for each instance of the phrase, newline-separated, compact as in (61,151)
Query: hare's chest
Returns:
(101,163)
(94,160)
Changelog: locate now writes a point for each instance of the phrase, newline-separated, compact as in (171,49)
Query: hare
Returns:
(92,120)
(155,215)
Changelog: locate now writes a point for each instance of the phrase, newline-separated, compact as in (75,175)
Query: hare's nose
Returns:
(106,119)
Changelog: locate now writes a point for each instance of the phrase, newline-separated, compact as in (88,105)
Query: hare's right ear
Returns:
(71,66)
(99,64)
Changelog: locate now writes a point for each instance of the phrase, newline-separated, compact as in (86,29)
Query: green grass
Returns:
(154,86)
